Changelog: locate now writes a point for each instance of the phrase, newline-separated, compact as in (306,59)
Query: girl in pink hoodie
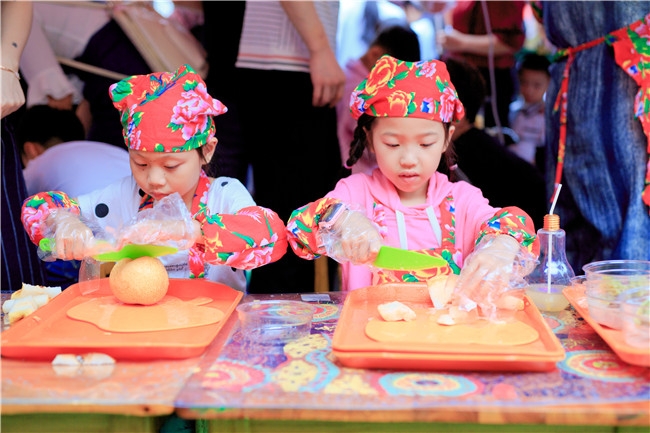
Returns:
(405,114)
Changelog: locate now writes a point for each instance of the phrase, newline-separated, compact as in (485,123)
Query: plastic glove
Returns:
(73,240)
(353,237)
(168,222)
(498,264)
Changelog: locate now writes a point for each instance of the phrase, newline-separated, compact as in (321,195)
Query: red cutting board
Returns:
(50,331)
(353,348)
(613,337)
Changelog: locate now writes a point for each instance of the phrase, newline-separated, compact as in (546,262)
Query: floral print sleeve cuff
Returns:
(302,228)
(252,237)
(514,222)
(38,207)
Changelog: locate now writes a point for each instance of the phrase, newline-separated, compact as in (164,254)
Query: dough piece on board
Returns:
(426,330)
(394,311)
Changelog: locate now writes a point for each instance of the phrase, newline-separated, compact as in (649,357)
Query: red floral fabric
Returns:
(179,120)
(397,88)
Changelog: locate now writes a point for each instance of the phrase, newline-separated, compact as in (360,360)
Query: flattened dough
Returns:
(109,314)
(425,330)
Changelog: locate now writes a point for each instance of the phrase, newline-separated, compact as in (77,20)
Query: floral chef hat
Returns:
(166,112)
(396,88)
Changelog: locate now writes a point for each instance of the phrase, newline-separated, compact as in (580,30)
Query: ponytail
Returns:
(359,139)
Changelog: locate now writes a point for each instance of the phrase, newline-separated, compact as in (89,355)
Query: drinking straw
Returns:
(550,242)
(557,193)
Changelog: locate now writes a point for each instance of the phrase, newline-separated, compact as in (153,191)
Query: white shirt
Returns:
(76,167)
(117,205)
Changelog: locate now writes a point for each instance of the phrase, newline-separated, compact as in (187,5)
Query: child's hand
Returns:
(168,222)
(353,237)
(160,232)
(74,240)
(487,271)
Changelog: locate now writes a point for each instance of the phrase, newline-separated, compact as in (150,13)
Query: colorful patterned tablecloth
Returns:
(305,375)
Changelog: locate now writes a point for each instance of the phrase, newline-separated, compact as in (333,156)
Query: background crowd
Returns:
(286,70)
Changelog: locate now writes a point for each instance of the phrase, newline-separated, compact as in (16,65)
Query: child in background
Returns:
(398,41)
(406,113)
(478,153)
(47,151)
(60,138)
(169,130)
(527,114)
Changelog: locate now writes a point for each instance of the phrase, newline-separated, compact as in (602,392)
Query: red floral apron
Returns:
(632,53)
(446,251)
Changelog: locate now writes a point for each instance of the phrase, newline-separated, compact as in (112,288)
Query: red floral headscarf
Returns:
(166,112)
(396,88)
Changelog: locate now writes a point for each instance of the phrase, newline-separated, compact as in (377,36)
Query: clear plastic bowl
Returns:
(635,313)
(275,321)
(606,280)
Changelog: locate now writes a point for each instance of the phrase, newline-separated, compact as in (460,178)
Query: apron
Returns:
(445,234)
(631,53)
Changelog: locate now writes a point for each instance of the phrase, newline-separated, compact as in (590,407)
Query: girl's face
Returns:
(408,152)
(161,174)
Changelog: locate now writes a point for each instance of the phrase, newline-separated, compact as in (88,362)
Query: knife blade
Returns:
(397,259)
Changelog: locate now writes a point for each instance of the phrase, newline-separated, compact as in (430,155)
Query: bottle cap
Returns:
(551,222)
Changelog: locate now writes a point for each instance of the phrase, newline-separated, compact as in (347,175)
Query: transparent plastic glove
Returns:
(73,239)
(497,265)
(353,237)
(168,222)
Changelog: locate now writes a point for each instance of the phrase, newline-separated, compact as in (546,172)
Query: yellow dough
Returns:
(109,314)
(425,330)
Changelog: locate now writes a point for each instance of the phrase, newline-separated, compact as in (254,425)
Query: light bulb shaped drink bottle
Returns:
(553,272)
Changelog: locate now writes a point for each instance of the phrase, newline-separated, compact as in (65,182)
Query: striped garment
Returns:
(20,264)
(270,41)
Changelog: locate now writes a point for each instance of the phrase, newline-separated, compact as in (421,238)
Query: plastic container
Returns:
(606,280)
(275,321)
(545,300)
(635,313)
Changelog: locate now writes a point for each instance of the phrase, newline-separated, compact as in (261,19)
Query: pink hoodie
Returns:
(410,227)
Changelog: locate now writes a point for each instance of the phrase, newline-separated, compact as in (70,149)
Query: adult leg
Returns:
(20,263)
(296,160)
(225,18)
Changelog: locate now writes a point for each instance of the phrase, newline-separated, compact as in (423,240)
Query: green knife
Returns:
(397,259)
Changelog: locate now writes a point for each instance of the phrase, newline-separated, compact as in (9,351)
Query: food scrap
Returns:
(441,292)
(394,311)
(26,300)
(441,288)
(91,365)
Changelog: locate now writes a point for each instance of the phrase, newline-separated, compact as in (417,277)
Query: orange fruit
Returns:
(139,281)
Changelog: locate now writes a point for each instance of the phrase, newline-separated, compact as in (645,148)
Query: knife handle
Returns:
(45,248)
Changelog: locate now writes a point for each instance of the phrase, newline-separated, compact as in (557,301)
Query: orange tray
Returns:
(354,348)
(49,331)
(614,338)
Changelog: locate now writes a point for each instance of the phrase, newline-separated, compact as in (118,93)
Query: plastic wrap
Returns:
(492,278)
(352,238)
(68,236)
(168,222)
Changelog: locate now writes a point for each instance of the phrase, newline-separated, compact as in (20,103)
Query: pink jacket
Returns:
(412,228)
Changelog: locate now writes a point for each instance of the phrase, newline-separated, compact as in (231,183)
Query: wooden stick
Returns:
(90,68)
